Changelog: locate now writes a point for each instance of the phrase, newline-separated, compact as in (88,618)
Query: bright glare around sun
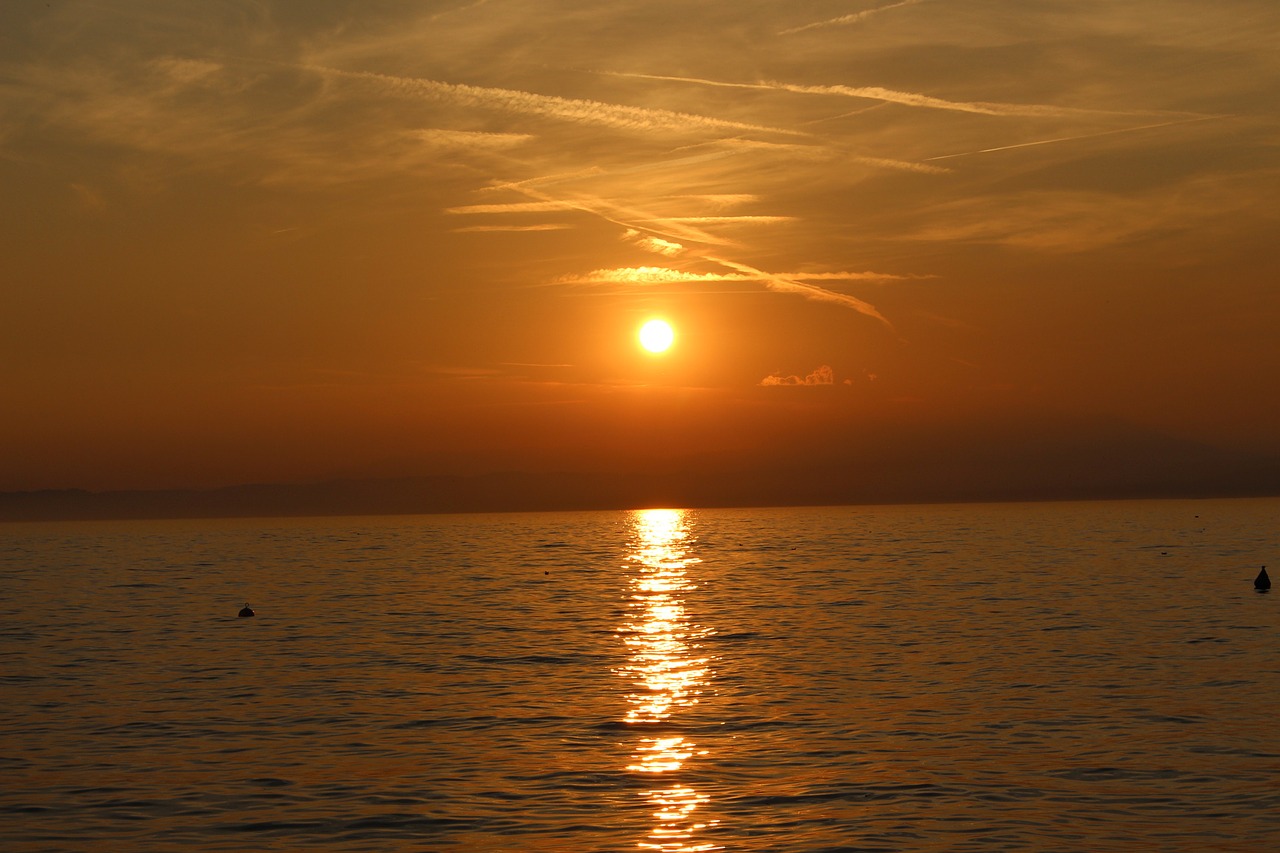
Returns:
(657,336)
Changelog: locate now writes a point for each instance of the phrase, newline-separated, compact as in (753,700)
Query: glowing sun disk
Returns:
(657,336)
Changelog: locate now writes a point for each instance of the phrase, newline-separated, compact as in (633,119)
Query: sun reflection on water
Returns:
(667,673)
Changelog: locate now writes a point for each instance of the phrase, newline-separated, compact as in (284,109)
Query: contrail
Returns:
(893,96)
(576,110)
(791,284)
(848,19)
(1070,138)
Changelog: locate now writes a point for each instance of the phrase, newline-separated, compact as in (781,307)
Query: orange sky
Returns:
(293,241)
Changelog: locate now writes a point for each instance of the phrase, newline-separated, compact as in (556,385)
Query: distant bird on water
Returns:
(248,611)
(1262,581)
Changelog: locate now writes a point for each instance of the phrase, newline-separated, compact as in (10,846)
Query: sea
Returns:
(1094,677)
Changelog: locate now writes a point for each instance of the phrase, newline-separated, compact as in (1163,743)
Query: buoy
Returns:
(1262,581)
(246,610)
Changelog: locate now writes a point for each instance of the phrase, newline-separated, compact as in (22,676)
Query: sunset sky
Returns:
(302,240)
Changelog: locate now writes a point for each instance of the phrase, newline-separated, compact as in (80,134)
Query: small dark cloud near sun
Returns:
(823,375)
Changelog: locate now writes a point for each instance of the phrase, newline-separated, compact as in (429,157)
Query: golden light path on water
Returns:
(667,674)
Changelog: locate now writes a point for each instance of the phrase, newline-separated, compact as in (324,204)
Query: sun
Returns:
(657,336)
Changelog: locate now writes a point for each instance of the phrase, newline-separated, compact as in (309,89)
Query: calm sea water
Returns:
(1051,677)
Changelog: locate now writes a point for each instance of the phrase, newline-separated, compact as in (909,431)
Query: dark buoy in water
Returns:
(1262,581)
(246,610)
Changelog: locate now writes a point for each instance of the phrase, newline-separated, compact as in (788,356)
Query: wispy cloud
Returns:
(185,71)
(545,206)
(514,207)
(638,168)
(721,199)
(1074,221)
(88,199)
(653,244)
(1071,138)
(853,18)
(531,364)
(469,138)
(901,165)
(724,220)
(543,180)
(909,99)
(666,275)
(856,276)
(646,275)
(550,226)
(578,111)
(796,284)
(822,153)
(629,218)
(823,375)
